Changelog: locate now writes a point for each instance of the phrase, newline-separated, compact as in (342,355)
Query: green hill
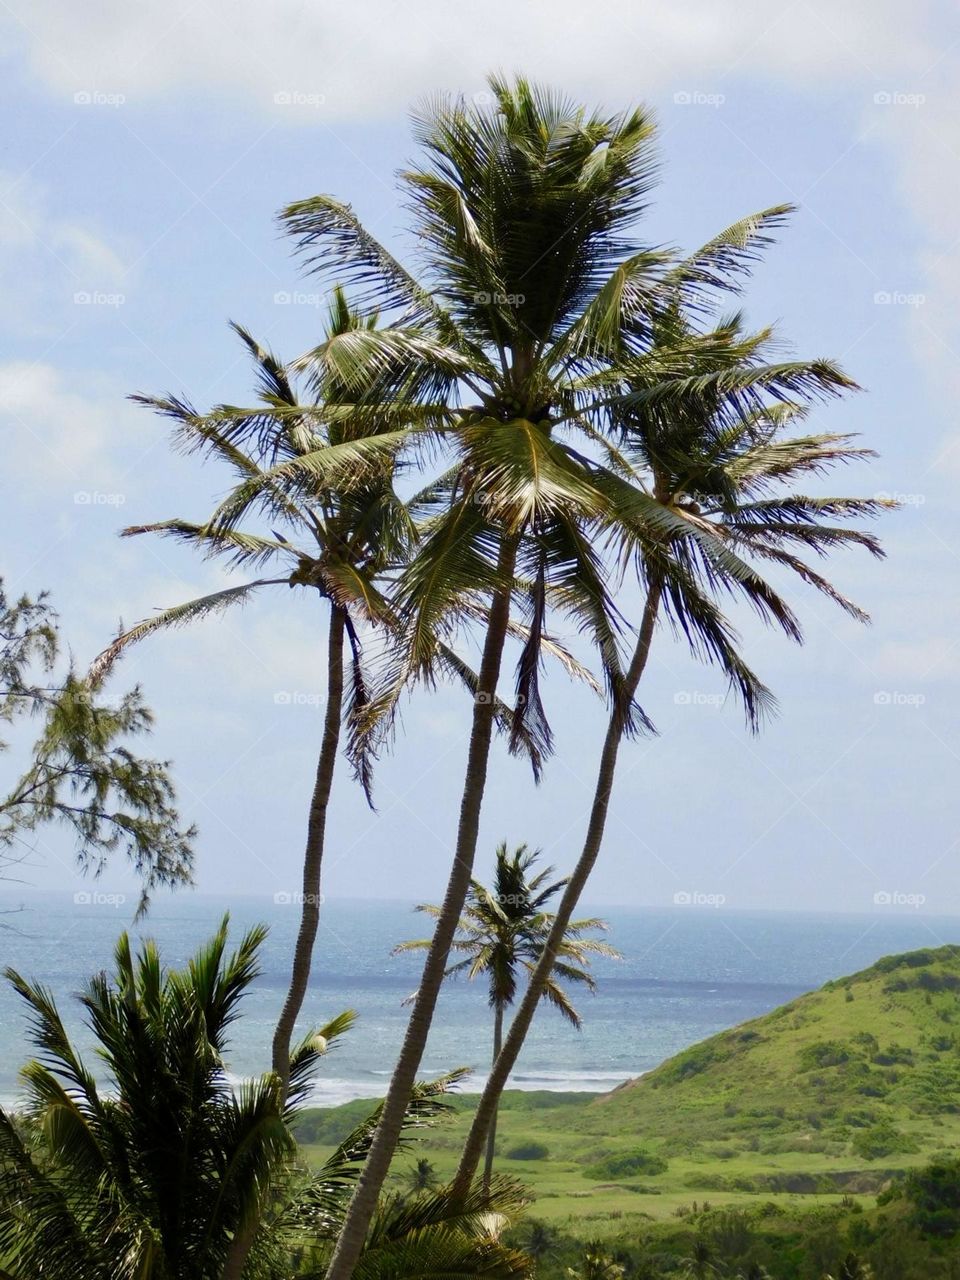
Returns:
(867,1066)
(828,1096)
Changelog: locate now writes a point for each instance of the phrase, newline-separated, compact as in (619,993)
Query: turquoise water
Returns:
(686,973)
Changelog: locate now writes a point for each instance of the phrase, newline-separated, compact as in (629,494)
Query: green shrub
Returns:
(628,1164)
(823,1053)
(528,1151)
(881,1140)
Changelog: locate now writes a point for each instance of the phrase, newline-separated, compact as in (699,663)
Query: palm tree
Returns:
(706,447)
(331,489)
(537,300)
(171,1174)
(502,932)
(596,1264)
(421,1176)
(324,473)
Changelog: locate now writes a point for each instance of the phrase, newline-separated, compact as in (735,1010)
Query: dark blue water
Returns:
(686,973)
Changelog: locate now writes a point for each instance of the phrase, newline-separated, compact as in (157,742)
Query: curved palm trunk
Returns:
(377,1164)
(313,855)
(492,1132)
(490,1098)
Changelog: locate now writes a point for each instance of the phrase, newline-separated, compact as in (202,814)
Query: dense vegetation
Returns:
(824,1128)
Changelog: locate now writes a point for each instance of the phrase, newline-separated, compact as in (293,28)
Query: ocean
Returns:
(686,973)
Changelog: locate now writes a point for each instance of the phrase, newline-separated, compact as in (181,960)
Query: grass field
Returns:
(820,1102)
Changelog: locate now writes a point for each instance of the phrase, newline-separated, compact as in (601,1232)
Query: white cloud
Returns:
(363,60)
(70,434)
(47,260)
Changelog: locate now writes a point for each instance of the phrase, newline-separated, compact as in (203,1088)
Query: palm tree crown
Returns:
(503,929)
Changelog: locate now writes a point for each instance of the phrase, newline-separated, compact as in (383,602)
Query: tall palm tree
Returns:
(502,933)
(323,472)
(337,524)
(536,299)
(171,1173)
(709,447)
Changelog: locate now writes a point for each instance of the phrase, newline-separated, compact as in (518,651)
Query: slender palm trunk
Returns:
(377,1164)
(492,1132)
(490,1098)
(313,855)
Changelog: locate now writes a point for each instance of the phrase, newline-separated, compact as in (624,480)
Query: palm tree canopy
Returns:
(541,329)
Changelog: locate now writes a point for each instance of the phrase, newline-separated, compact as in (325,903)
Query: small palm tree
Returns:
(596,1264)
(171,1174)
(421,1176)
(540,1240)
(502,933)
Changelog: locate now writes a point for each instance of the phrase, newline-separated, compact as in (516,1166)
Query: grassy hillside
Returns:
(825,1097)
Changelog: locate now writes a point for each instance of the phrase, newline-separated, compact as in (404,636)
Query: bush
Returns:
(881,1140)
(528,1151)
(628,1164)
(935,1195)
(824,1053)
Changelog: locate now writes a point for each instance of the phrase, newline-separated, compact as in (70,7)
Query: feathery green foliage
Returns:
(83,772)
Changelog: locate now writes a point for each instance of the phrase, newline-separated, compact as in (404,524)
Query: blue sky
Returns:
(148,149)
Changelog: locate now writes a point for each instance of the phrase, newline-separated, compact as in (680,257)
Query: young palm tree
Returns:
(503,931)
(722,472)
(536,300)
(596,1264)
(171,1174)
